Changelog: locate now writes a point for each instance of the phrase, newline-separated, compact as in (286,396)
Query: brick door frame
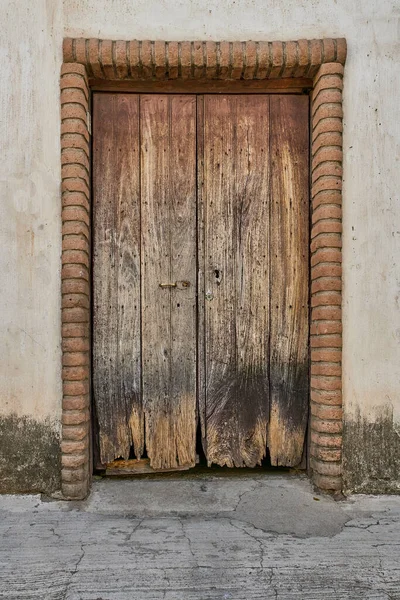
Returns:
(320,61)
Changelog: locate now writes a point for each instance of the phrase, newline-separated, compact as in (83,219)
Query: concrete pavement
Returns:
(251,537)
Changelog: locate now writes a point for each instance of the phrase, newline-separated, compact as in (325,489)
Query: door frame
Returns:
(314,67)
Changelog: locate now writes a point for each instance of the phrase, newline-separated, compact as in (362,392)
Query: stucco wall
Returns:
(30,363)
(30,175)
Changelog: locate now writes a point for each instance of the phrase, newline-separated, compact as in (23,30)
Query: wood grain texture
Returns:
(168,191)
(236,213)
(116,276)
(289,278)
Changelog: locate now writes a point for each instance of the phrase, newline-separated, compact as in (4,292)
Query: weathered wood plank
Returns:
(116,275)
(168,191)
(235,195)
(289,278)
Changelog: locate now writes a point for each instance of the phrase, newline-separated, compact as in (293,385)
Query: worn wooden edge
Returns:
(135,467)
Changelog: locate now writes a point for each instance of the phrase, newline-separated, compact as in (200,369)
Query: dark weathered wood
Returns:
(168,191)
(116,275)
(289,278)
(236,196)
(290,85)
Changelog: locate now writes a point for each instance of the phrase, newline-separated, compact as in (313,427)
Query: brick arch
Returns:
(321,60)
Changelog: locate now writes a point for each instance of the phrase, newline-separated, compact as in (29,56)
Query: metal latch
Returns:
(179,285)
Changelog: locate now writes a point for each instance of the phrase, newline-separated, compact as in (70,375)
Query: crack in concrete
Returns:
(74,572)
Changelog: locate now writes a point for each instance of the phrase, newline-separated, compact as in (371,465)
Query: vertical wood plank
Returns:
(289,278)
(116,275)
(168,191)
(236,277)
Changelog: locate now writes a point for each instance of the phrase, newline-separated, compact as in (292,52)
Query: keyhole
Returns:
(218,276)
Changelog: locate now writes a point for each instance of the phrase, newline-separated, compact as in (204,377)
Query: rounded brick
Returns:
(319,382)
(332,81)
(277,59)
(341,51)
(75,95)
(323,411)
(74,475)
(326,327)
(75,417)
(75,286)
(121,65)
(75,373)
(76,433)
(327,111)
(73,68)
(106,58)
(326,355)
(160,59)
(326,440)
(326,341)
(326,284)
(73,446)
(78,257)
(330,469)
(74,81)
(75,359)
(75,213)
(329,68)
(74,111)
(326,313)
(325,454)
(264,63)
(326,369)
(329,139)
(75,315)
(186,59)
(330,154)
(251,60)
(198,60)
(75,271)
(326,255)
(74,156)
(147,66)
(332,397)
(326,183)
(302,60)
(75,185)
(325,97)
(74,461)
(133,58)
(75,126)
(323,168)
(326,270)
(328,240)
(75,491)
(76,344)
(329,129)
(94,58)
(75,243)
(75,403)
(173,60)
(74,171)
(316,56)
(76,228)
(290,59)
(327,483)
(68,53)
(75,330)
(326,226)
(75,300)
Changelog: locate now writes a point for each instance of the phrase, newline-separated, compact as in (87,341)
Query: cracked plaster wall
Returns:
(30,365)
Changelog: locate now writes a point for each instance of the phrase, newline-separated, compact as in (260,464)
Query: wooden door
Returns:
(200,285)
(144,277)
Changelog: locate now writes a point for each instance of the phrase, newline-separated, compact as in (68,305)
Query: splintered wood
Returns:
(200,278)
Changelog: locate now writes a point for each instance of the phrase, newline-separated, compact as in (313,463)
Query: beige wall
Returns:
(30,231)
(30,173)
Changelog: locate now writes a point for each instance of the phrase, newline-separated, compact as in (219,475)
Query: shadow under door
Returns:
(200,277)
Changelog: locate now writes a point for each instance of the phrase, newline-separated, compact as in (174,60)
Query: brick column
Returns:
(326,278)
(75,473)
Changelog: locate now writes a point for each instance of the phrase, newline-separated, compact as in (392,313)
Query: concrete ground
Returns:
(251,537)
